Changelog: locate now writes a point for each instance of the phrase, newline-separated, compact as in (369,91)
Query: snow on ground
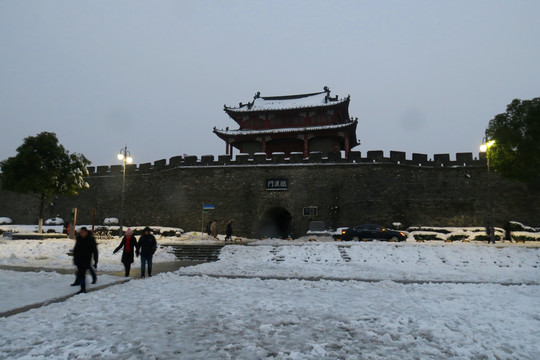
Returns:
(194,238)
(20,289)
(30,228)
(5,220)
(198,238)
(55,224)
(175,317)
(54,221)
(525,227)
(110,221)
(54,253)
(380,261)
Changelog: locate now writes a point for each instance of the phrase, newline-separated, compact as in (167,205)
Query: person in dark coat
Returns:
(508,231)
(146,247)
(490,232)
(213,229)
(129,243)
(228,231)
(92,273)
(85,248)
(208,227)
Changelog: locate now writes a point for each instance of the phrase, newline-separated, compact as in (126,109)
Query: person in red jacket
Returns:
(129,243)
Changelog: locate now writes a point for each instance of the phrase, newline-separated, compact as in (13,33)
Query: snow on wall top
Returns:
(315,158)
(285,130)
(288,102)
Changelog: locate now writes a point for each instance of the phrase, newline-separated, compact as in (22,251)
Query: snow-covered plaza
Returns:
(273,300)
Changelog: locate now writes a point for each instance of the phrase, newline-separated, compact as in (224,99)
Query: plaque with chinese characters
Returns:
(277,184)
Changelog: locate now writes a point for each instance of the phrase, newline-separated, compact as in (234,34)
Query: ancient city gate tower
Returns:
(291,123)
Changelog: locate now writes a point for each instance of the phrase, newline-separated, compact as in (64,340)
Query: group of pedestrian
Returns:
(491,236)
(86,249)
(211,229)
(145,247)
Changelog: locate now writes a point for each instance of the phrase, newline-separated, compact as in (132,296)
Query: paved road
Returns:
(135,273)
(135,270)
(329,278)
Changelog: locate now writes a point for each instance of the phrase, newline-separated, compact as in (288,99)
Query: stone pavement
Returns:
(135,270)
(156,268)
(134,274)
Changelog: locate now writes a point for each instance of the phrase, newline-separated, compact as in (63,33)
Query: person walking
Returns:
(228,231)
(90,268)
(85,248)
(208,227)
(146,247)
(213,229)
(92,273)
(490,232)
(129,243)
(508,231)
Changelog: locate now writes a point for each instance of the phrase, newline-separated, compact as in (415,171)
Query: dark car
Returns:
(371,232)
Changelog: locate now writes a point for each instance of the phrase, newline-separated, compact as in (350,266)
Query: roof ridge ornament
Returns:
(327,97)
(250,104)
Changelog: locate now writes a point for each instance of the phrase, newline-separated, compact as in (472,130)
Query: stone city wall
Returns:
(437,191)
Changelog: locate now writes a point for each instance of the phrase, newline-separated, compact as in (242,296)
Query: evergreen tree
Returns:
(45,168)
(515,153)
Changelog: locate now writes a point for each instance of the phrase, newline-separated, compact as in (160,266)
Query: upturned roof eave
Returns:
(248,133)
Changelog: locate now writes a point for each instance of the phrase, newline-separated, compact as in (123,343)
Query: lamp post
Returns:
(126,158)
(486,144)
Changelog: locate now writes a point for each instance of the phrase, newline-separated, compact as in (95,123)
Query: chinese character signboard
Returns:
(208,207)
(311,211)
(277,184)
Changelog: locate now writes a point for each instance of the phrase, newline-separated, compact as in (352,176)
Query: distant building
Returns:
(291,123)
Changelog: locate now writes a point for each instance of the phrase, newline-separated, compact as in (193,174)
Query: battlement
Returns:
(257,159)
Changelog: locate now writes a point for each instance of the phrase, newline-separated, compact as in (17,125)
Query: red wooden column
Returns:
(347,145)
(263,143)
(227,147)
(306,146)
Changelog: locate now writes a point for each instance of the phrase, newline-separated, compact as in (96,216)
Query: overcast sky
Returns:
(424,76)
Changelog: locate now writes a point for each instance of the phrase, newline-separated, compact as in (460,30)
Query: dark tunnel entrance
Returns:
(275,223)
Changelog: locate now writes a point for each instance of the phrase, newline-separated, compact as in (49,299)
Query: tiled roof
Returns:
(288,102)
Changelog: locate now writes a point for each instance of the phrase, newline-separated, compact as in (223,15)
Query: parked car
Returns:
(318,228)
(338,234)
(371,232)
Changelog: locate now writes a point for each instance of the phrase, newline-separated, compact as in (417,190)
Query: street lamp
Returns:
(125,157)
(486,145)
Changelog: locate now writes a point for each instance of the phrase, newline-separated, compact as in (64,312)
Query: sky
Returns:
(423,76)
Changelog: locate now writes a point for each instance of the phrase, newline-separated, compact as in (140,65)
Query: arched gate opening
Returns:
(274,223)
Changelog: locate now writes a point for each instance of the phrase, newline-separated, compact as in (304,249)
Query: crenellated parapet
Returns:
(355,157)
